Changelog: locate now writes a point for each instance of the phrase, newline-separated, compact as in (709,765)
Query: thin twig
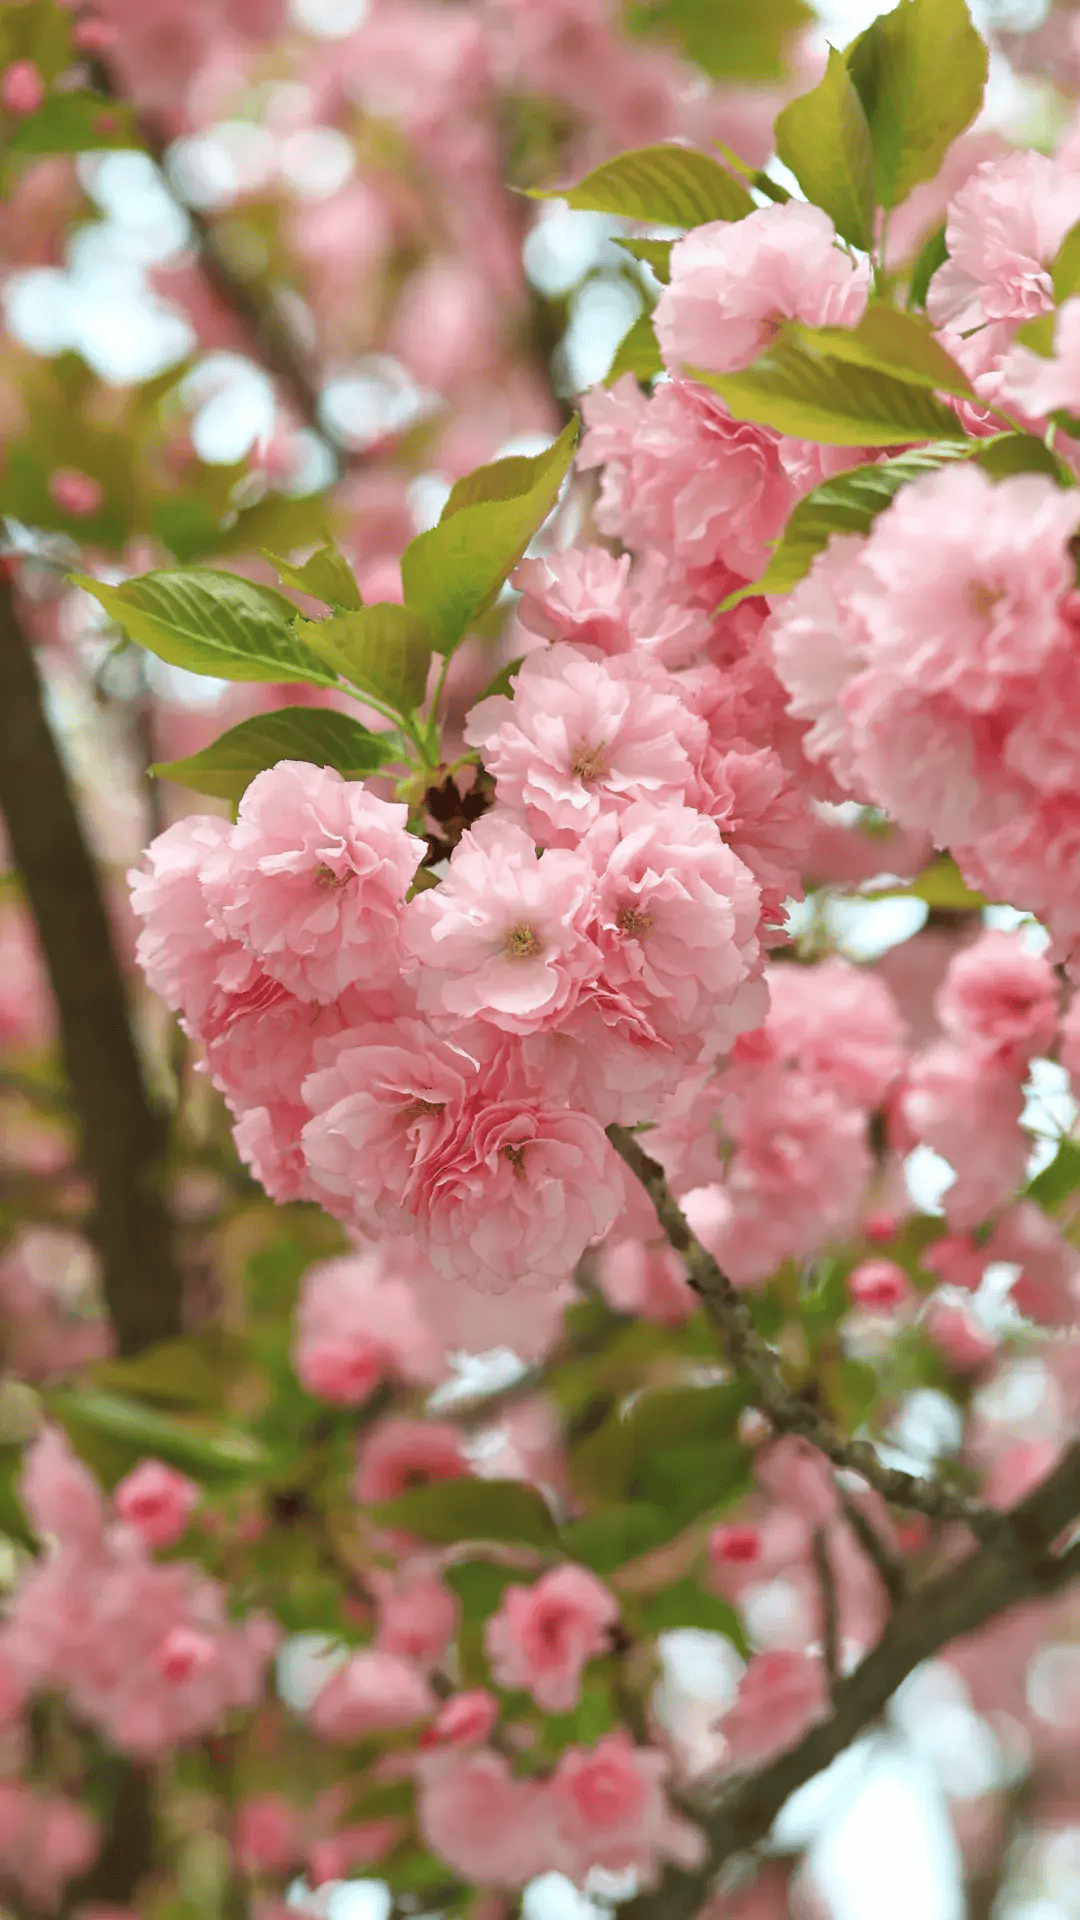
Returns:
(890,1571)
(830,1614)
(788,1412)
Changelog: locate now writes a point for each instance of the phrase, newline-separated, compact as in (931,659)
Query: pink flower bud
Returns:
(74,492)
(881,1227)
(466,1719)
(93,36)
(878,1284)
(22,88)
(184,1653)
(265,1837)
(156,1501)
(959,1336)
(734,1546)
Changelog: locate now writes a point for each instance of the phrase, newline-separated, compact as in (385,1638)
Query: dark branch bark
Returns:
(1016,1565)
(123,1139)
(788,1412)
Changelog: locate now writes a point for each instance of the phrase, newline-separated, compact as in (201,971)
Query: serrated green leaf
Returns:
(933,255)
(607,1540)
(636,353)
(467,1509)
(139,1430)
(655,253)
(1065,271)
(811,397)
(896,343)
(316,734)
(384,650)
(670,186)
(728,39)
(75,123)
(1010,453)
(453,572)
(823,137)
(848,503)
(920,72)
(1059,1180)
(685,1604)
(326,576)
(213,623)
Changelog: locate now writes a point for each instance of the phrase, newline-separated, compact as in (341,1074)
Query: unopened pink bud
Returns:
(881,1227)
(184,1653)
(465,1719)
(738,1546)
(878,1284)
(93,36)
(22,88)
(76,493)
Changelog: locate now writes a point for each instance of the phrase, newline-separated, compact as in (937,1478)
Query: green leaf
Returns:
(637,353)
(190,1372)
(454,572)
(1059,1180)
(327,576)
(1010,453)
(655,253)
(685,1604)
(13,1521)
(75,123)
(848,503)
(503,681)
(941,884)
(824,139)
(896,343)
(683,1481)
(1065,271)
(607,1540)
(811,397)
(316,734)
(480,1585)
(933,255)
(139,1431)
(213,623)
(383,650)
(729,39)
(920,72)
(467,1509)
(670,186)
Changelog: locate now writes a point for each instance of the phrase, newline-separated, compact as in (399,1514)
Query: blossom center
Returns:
(418,1108)
(516,1157)
(590,763)
(982,599)
(325,877)
(633,920)
(522,942)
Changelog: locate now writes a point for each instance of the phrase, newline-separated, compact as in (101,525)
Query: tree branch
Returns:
(123,1139)
(1016,1565)
(788,1412)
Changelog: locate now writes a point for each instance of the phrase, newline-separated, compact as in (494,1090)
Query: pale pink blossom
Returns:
(959,1335)
(608,1810)
(819,644)
(60,1494)
(490,1828)
(1041,386)
(45,1841)
(157,1502)
(542,1636)
(734,283)
(504,936)
(356,1324)
(1003,229)
(1047,1288)
(579,596)
(266,1834)
(417,1616)
(837,1023)
(360,1845)
(879,1285)
(374,1692)
(579,736)
(646,1279)
(313,879)
(397,1453)
(781,1694)
(1000,999)
(76,493)
(463,1720)
(968,1110)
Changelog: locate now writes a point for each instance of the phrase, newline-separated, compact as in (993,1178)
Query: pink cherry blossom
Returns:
(78,494)
(646,1279)
(580,736)
(157,1501)
(880,1285)
(504,937)
(373,1692)
(1041,386)
(1000,999)
(22,88)
(464,1720)
(968,1110)
(582,597)
(608,1810)
(1047,1288)
(734,283)
(357,1325)
(360,1845)
(543,1635)
(1003,229)
(397,1454)
(266,1834)
(780,1695)
(490,1828)
(417,1615)
(959,1335)
(839,1024)
(732,1545)
(313,880)
(45,1841)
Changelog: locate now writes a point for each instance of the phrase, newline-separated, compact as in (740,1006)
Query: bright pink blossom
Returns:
(579,736)
(780,1695)
(22,88)
(879,1285)
(397,1454)
(373,1692)
(157,1501)
(731,1545)
(313,880)
(733,284)
(608,1810)
(45,1841)
(543,1635)
(490,1828)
